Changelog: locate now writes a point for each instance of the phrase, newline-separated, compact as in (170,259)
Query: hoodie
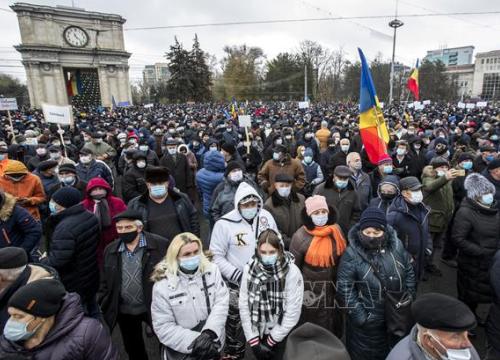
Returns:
(234,238)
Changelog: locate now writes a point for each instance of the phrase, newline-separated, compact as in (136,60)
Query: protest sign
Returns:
(245,120)
(62,115)
(303,104)
(8,104)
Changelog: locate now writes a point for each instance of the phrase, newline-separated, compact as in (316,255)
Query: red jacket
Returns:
(116,206)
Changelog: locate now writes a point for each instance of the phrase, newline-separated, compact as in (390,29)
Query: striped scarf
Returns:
(266,289)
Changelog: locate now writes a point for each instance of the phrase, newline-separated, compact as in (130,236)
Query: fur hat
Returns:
(156,174)
(477,185)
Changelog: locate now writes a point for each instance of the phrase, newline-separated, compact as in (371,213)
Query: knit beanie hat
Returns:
(41,298)
(465,156)
(70,168)
(439,161)
(12,257)
(67,197)
(477,185)
(373,217)
(229,148)
(233,165)
(314,203)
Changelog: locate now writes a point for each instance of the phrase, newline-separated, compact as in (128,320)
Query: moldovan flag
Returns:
(372,125)
(412,83)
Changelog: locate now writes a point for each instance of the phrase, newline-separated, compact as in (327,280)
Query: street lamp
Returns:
(395,24)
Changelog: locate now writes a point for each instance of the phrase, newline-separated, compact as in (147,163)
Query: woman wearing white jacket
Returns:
(190,302)
(270,297)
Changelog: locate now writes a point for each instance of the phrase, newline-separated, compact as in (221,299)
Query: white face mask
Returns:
(344,148)
(144,148)
(416,197)
(453,354)
(236,176)
(85,159)
(172,151)
(320,220)
(141,164)
(284,191)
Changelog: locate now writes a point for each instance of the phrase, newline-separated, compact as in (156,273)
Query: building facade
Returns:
(452,56)
(73,56)
(487,75)
(463,78)
(153,74)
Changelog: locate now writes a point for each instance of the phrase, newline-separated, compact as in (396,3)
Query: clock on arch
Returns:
(75,36)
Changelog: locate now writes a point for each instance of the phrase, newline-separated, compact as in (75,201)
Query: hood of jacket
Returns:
(244,190)
(98,182)
(214,161)
(391,239)
(7,207)
(475,206)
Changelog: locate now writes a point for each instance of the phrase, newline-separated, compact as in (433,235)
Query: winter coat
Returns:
(31,273)
(72,337)
(476,233)
(366,333)
(73,248)
(116,206)
(363,187)
(411,223)
(292,306)
(180,170)
(408,349)
(493,324)
(287,213)
(234,239)
(180,304)
(49,183)
(79,185)
(96,168)
(133,183)
(36,160)
(488,176)
(404,168)
(313,172)
(209,177)
(289,166)
(17,226)
(346,202)
(102,149)
(223,196)
(30,188)
(111,280)
(186,212)
(438,196)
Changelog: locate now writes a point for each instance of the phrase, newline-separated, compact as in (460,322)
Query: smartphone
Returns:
(460,172)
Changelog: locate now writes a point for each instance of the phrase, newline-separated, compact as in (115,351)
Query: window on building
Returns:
(482,61)
(487,61)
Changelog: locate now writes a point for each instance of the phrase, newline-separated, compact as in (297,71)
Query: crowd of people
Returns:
(278,241)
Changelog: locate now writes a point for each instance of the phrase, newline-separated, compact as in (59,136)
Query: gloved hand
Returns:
(263,350)
(203,344)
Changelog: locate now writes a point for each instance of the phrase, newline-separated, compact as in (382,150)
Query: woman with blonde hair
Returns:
(190,302)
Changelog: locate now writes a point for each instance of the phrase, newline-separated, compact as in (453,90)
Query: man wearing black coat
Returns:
(73,246)
(126,288)
(133,183)
(178,166)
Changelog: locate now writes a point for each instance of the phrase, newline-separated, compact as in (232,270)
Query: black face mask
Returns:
(387,197)
(371,243)
(128,237)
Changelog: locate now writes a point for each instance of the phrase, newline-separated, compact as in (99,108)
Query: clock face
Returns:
(76,36)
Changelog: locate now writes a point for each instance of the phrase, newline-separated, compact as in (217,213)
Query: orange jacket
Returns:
(29,188)
(3,165)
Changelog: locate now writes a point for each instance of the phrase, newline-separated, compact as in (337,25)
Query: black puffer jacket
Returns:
(133,183)
(359,291)
(73,337)
(73,250)
(493,326)
(476,233)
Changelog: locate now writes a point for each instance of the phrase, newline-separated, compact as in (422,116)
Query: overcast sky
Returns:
(418,35)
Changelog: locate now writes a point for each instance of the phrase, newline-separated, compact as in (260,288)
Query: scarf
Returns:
(320,252)
(266,289)
(101,210)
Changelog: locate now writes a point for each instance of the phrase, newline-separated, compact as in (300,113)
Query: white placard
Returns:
(245,120)
(55,114)
(481,103)
(419,107)
(461,105)
(8,104)
(147,106)
(415,103)
(470,106)
(303,104)
(410,105)
(426,102)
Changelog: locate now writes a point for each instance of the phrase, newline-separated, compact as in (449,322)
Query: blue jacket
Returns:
(96,168)
(18,227)
(210,176)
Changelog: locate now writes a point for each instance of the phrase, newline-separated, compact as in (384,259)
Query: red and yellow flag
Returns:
(412,83)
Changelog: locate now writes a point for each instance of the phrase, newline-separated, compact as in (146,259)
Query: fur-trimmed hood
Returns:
(7,207)
(477,185)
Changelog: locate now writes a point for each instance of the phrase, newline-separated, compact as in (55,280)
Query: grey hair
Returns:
(11,274)
(139,223)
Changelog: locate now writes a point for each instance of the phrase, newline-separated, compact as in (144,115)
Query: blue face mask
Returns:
(387,169)
(341,184)
(52,207)
(249,214)
(308,159)
(16,330)
(2,157)
(490,158)
(269,260)
(487,199)
(190,263)
(158,191)
(467,165)
(401,152)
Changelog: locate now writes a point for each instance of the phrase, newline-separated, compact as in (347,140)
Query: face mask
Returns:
(278,142)
(55,156)
(371,242)
(401,152)
(16,330)
(41,152)
(213,148)
(308,159)
(144,148)
(341,184)
(387,169)
(487,199)
(98,141)
(344,148)
(319,220)
(440,173)
(236,176)
(490,158)
(486,127)
(276,156)
(249,213)
(3,157)
(387,196)
(52,207)
(98,196)
(284,191)
(172,151)
(288,137)
(141,164)
(85,159)
(128,237)
(357,165)
(494,137)
(416,197)
(191,263)
(467,165)
(56,143)
(417,146)
(269,260)
(158,191)
(309,136)
(69,180)
(453,354)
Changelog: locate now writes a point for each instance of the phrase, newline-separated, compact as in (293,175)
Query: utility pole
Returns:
(395,24)
(305,82)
